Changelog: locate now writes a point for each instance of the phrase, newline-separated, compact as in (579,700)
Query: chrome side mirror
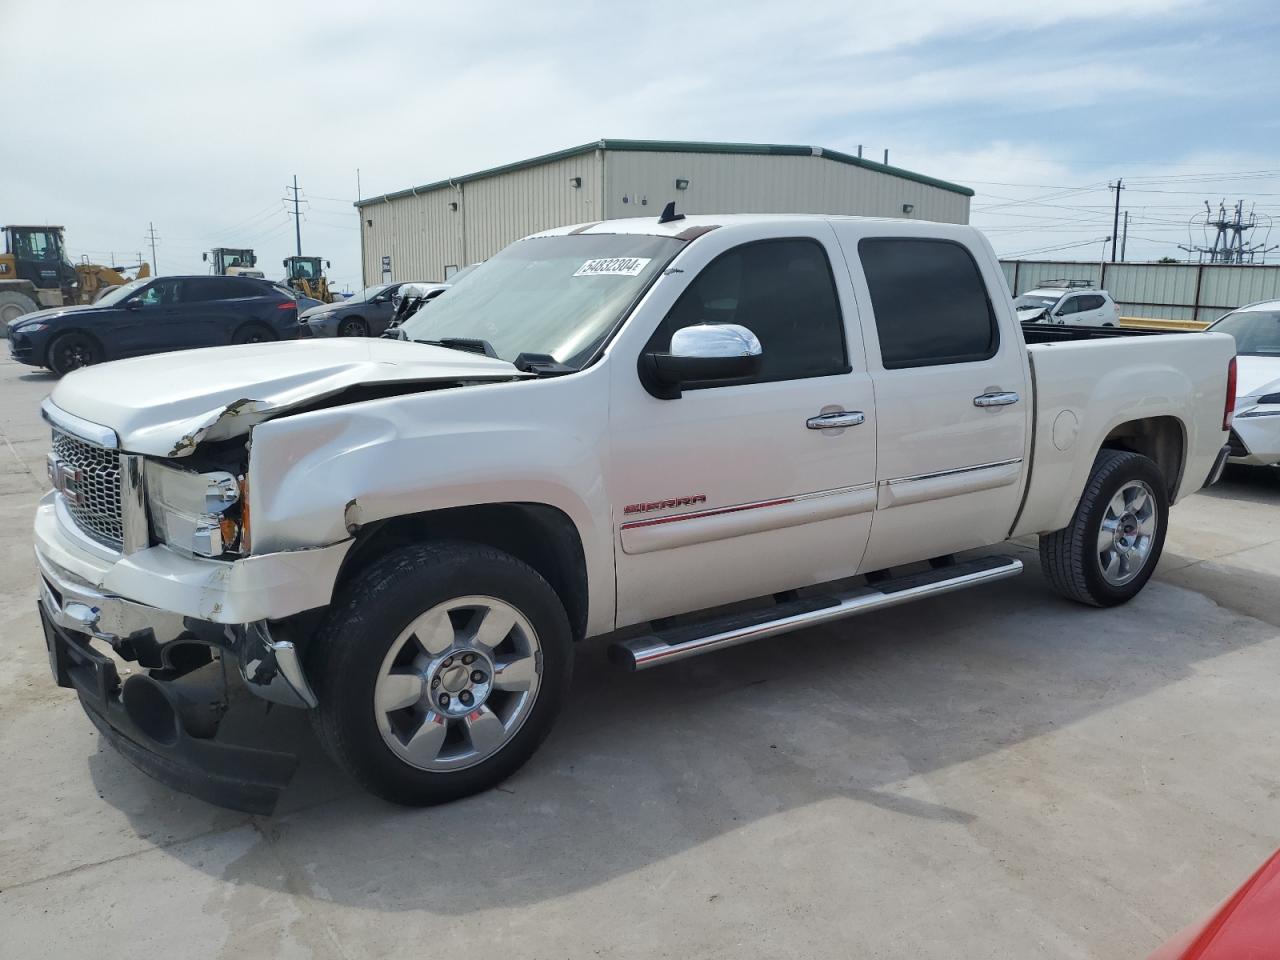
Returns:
(705,353)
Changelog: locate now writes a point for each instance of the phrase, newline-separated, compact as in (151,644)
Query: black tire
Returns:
(1070,558)
(368,616)
(353,327)
(254,333)
(71,351)
(14,304)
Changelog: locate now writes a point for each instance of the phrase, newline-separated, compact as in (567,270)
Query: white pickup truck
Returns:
(608,429)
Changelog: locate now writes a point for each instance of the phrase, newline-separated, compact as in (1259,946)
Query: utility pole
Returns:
(1124,237)
(1115,224)
(297,214)
(151,235)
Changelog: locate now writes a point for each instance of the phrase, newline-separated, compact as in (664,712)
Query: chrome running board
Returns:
(679,643)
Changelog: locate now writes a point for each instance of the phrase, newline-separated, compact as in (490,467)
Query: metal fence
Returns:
(1168,291)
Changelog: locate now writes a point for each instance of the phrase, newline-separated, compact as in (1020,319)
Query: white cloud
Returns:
(196,117)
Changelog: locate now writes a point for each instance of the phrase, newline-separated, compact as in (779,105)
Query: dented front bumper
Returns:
(270,586)
(171,615)
(143,602)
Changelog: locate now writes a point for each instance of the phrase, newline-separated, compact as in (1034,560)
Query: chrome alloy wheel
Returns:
(458,683)
(1127,533)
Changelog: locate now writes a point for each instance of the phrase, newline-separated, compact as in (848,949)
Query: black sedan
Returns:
(155,315)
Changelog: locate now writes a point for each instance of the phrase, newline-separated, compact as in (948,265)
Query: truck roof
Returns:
(694,224)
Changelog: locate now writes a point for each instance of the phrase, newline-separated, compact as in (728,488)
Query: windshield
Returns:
(558,295)
(367,294)
(1257,332)
(112,297)
(1028,302)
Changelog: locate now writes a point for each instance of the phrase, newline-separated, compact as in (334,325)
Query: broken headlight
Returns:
(198,514)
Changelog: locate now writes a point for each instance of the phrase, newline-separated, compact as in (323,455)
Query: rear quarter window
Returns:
(930,303)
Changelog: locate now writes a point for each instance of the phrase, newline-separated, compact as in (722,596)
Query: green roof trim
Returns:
(677,146)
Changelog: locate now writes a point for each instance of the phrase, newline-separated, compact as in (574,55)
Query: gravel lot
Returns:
(996,773)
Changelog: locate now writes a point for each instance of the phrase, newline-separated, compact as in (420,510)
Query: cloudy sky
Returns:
(195,117)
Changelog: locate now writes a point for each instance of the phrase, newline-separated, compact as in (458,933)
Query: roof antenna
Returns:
(669,214)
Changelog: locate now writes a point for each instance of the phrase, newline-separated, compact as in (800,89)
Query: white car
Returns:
(1075,307)
(604,427)
(1255,434)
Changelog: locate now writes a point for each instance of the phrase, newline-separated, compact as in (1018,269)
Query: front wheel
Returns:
(1109,550)
(440,671)
(71,351)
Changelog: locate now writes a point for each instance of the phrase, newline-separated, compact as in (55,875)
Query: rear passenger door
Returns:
(207,310)
(737,489)
(952,400)
(1093,311)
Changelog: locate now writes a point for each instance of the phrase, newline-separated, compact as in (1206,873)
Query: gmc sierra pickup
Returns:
(615,425)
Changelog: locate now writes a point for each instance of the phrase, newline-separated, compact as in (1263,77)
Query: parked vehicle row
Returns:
(611,430)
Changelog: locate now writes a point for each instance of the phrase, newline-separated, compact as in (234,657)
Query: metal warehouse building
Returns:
(426,232)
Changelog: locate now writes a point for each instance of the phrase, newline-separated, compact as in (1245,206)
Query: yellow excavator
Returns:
(303,274)
(35,273)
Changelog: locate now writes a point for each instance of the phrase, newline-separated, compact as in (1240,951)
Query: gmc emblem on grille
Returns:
(66,479)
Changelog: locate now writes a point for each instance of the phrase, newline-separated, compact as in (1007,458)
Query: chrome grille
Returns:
(97,511)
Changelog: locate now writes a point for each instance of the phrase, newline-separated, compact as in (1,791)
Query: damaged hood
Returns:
(164,405)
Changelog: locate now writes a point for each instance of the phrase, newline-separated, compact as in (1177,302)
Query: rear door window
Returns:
(204,289)
(930,302)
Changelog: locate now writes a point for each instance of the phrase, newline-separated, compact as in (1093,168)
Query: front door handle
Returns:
(995,399)
(835,420)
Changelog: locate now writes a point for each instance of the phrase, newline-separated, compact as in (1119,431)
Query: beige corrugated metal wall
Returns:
(422,235)
(1168,291)
(752,183)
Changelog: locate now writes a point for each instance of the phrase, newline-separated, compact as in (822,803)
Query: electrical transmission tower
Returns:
(1229,244)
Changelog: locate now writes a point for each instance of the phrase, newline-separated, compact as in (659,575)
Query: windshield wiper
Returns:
(542,365)
(466,344)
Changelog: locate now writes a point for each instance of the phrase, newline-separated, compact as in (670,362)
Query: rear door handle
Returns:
(995,399)
(835,420)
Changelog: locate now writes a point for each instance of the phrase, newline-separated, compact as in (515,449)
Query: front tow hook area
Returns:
(166,731)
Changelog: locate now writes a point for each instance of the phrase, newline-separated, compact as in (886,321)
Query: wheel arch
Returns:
(538,534)
(1162,439)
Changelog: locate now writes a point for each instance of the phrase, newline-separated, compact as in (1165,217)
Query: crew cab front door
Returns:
(735,489)
(150,321)
(952,397)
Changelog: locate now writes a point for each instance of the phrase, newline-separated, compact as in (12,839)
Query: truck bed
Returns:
(1058,333)
(1087,380)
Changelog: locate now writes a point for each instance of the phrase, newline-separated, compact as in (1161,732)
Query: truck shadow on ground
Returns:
(645,767)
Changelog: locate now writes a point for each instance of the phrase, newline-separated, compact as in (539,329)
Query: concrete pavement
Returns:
(997,773)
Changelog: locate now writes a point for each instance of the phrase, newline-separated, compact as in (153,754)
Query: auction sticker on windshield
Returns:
(613,267)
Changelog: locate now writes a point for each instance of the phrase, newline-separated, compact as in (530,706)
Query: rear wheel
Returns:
(71,351)
(353,327)
(1110,549)
(254,334)
(440,671)
(14,304)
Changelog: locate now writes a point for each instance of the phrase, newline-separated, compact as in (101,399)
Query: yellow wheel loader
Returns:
(35,273)
(304,276)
